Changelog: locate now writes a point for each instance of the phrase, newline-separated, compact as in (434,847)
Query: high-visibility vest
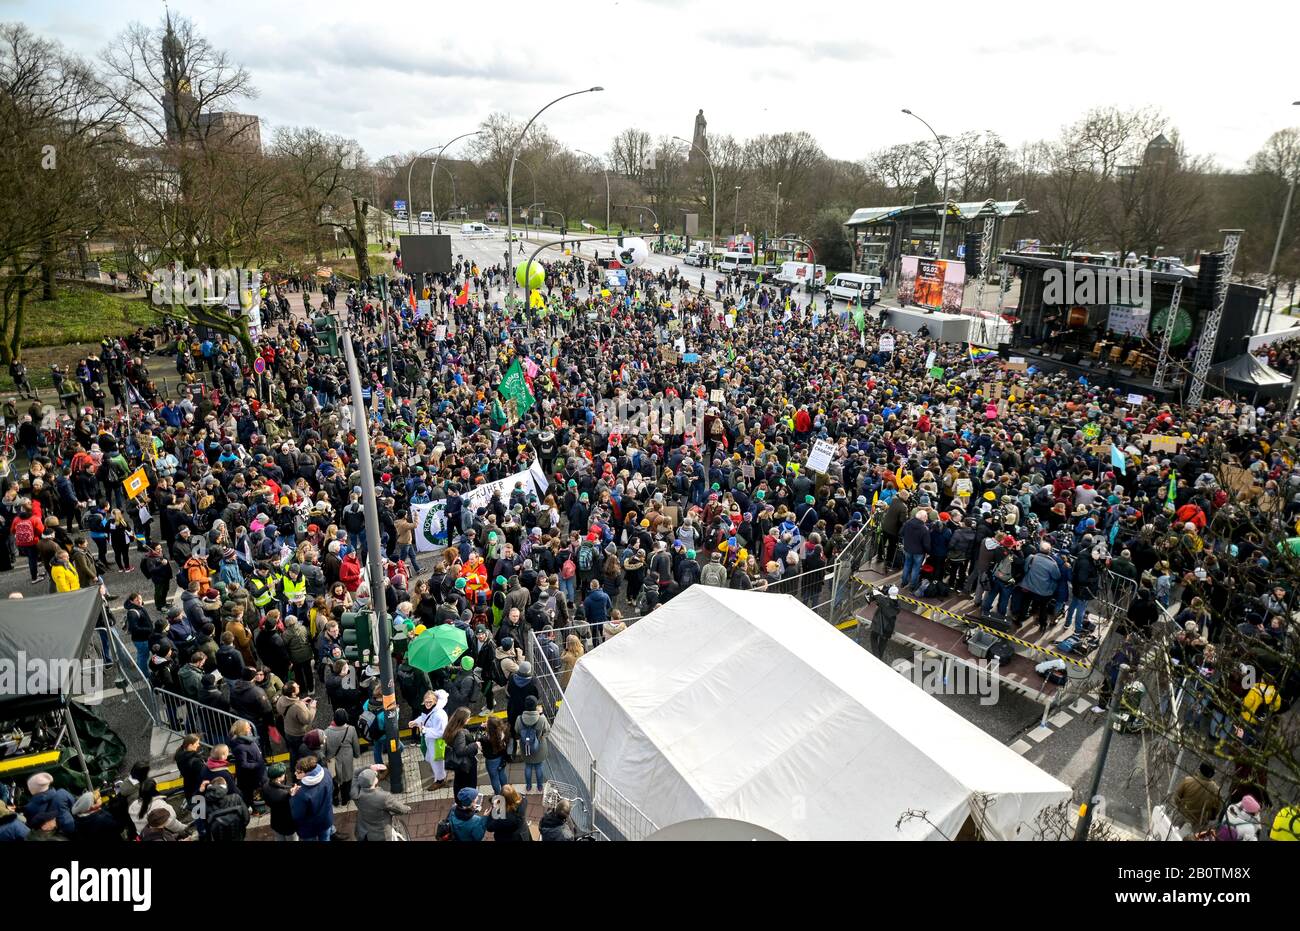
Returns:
(263,591)
(289,588)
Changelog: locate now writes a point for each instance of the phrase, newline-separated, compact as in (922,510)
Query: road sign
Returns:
(259,365)
(399,205)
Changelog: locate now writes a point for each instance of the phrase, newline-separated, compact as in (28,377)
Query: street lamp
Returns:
(735,215)
(714,213)
(642,207)
(1277,244)
(510,181)
(410,205)
(447,172)
(434,170)
(943,154)
(532,174)
(776,219)
(606,171)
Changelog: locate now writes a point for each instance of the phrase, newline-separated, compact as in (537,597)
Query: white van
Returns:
(850,286)
(475,229)
(801,273)
(426,216)
(733,261)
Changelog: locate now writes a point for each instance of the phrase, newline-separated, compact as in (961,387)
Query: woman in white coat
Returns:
(432,723)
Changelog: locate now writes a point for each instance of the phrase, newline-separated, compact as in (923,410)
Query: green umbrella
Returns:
(436,648)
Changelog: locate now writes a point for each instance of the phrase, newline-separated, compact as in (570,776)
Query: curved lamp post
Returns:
(434,170)
(510,180)
(943,153)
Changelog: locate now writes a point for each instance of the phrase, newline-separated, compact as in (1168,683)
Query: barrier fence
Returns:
(186,716)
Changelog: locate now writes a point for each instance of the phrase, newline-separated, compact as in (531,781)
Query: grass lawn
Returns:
(72,326)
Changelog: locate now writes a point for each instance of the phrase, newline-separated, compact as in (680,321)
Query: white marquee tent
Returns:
(748,706)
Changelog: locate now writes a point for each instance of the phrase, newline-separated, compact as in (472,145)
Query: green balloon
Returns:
(534,277)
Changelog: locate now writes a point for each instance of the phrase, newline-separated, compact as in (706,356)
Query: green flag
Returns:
(1172,495)
(859,318)
(515,388)
(499,418)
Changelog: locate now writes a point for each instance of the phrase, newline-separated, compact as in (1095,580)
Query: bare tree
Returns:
(58,166)
(630,151)
(320,172)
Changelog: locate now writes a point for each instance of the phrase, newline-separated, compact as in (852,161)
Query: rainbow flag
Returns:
(980,354)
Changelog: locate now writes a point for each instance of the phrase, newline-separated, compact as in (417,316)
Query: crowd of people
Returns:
(1032,493)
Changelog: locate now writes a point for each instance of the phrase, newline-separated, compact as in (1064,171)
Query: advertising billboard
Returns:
(936,283)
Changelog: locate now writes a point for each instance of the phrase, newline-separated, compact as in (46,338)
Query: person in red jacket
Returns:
(350,572)
(1191,513)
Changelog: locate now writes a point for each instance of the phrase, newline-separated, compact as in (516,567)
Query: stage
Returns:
(1097,373)
(947,328)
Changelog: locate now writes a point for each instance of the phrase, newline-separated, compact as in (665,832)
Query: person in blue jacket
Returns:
(46,801)
(312,801)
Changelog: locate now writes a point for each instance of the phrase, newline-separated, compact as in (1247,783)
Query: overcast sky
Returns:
(407,80)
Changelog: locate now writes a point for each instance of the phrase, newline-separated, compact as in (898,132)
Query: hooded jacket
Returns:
(375,808)
(313,804)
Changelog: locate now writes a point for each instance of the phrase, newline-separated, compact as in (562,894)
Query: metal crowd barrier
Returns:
(187,716)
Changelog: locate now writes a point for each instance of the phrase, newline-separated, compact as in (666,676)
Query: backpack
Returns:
(225,824)
(368,726)
(1003,571)
(95,522)
(586,558)
(443,831)
(718,578)
(566,571)
(529,742)
(24,532)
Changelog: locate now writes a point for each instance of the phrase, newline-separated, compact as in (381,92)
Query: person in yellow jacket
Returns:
(1286,824)
(1262,699)
(62,574)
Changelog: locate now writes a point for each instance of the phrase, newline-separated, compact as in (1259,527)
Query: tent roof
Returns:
(749,706)
(50,627)
(964,211)
(1249,370)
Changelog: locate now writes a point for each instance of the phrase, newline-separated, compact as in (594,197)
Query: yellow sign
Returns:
(135,483)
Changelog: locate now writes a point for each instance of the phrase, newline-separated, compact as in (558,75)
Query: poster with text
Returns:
(933,283)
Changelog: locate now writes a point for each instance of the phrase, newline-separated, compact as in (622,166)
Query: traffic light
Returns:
(358,635)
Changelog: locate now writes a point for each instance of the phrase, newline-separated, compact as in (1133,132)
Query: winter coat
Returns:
(343,746)
(517,690)
(247,757)
(298,720)
(916,537)
(513,827)
(57,802)
(313,804)
(375,809)
(297,643)
(554,828)
(276,795)
(536,720)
